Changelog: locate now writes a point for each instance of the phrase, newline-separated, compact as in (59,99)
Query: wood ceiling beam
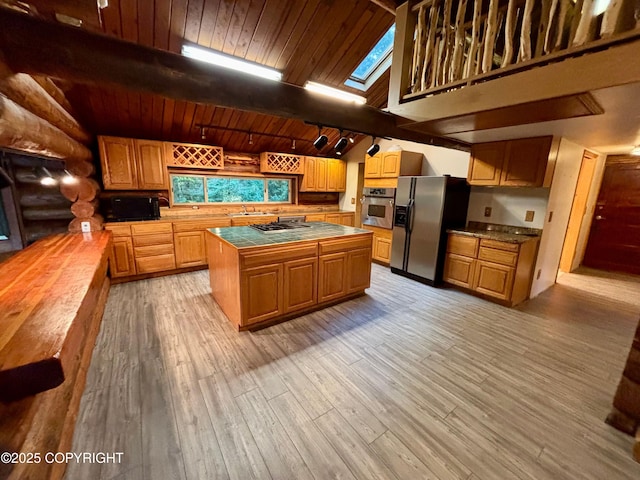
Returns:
(34,46)
(389,5)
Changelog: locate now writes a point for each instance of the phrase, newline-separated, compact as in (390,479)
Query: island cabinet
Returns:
(496,269)
(256,285)
(514,163)
(131,164)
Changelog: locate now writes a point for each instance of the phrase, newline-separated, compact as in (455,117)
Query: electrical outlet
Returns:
(487,211)
(529,216)
(85,226)
(353,200)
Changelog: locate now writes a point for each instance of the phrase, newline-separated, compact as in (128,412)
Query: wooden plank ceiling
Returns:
(318,40)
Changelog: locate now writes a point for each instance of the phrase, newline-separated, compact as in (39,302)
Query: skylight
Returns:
(374,64)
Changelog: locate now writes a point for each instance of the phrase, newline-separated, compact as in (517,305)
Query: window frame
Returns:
(204,176)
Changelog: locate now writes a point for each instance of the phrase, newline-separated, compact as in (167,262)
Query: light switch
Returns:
(487,211)
(529,216)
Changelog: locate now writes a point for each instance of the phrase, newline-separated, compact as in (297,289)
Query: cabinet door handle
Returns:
(600,217)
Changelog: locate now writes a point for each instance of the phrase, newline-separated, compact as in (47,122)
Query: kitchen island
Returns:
(260,278)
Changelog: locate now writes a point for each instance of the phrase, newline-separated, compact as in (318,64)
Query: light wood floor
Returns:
(408,382)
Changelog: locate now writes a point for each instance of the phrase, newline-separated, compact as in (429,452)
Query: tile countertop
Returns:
(246,237)
(493,235)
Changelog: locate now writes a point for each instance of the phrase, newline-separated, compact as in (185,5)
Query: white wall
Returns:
(563,188)
(508,205)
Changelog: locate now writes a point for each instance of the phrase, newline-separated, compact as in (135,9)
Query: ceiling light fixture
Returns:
(68,178)
(103,4)
(46,178)
(352,137)
(230,62)
(293,144)
(202,134)
(334,93)
(250,138)
(321,141)
(374,148)
(341,144)
(636,151)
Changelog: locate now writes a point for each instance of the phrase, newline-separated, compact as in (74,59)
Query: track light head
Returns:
(341,145)
(374,148)
(46,178)
(321,142)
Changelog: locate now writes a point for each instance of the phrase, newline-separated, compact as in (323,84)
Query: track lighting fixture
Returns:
(46,178)
(374,148)
(250,138)
(202,134)
(293,144)
(341,144)
(352,138)
(321,141)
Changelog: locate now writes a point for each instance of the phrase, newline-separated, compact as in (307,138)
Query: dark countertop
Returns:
(245,237)
(494,235)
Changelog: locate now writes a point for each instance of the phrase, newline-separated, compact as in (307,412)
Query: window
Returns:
(190,189)
(377,61)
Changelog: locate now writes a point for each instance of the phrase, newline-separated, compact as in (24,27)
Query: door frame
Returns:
(359,187)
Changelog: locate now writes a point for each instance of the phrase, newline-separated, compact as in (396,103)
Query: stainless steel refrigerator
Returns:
(425,208)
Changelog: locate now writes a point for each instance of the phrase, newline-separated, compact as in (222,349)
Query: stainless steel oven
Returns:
(377,206)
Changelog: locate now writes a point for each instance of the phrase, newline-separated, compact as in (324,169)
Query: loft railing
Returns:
(448,44)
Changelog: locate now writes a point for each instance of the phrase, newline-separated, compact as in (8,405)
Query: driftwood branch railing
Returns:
(460,42)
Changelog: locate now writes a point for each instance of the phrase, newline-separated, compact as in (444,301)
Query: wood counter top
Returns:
(42,295)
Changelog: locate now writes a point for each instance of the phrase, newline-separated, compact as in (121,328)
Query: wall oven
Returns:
(377,207)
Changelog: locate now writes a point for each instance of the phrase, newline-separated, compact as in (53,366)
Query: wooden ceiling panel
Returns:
(306,39)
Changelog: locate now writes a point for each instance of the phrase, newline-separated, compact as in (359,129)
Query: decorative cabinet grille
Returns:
(280,163)
(190,155)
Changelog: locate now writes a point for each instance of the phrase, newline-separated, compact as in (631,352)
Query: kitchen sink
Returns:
(248,214)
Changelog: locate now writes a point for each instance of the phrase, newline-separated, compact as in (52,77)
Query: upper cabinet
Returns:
(129,164)
(512,163)
(281,163)
(392,164)
(191,155)
(323,175)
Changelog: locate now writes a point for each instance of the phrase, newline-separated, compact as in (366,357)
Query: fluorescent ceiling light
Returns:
(230,62)
(334,92)
(636,150)
(599,6)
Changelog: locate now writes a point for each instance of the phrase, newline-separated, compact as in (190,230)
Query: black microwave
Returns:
(135,208)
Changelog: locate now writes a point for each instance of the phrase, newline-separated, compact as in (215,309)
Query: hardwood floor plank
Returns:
(241,454)
(399,458)
(279,453)
(315,450)
(360,459)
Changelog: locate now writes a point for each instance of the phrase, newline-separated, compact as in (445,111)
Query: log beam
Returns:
(34,46)
(22,130)
(55,92)
(26,92)
(389,5)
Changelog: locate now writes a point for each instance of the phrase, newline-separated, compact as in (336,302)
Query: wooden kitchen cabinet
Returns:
(262,293)
(382,241)
(391,165)
(512,163)
(121,262)
(300,284)
(348,219)
(332,276)
(190,249)
(271,162)
(252,220)
(496,269)
(323,175)
(333,218)
(131,164)
(359,269)
(315,217)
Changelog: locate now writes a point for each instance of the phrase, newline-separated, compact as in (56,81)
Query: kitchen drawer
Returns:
(463,245)
(331,246)
(152,250)
(194,225)
(509,247)
(157,263)
(150,228)
(277,255)
(156,239)
(498,256)
(493,279)
(119,230)
(315,217)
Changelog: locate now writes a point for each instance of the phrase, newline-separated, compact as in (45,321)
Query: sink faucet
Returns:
(244,209)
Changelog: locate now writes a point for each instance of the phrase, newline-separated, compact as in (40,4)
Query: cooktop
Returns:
(278,226)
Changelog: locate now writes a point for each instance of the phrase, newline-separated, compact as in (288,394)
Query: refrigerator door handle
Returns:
(410,215)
